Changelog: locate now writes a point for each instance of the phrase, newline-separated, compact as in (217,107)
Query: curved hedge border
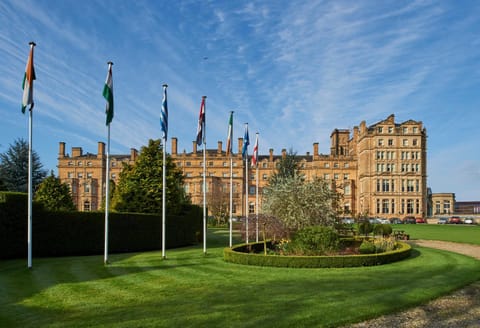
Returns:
(239,254)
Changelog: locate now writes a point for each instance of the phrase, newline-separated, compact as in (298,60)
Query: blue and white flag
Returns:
(164,113)
(246,142)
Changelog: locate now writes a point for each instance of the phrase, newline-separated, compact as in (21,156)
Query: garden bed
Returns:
(252,254)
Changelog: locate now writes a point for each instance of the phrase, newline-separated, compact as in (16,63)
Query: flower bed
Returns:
(251,254)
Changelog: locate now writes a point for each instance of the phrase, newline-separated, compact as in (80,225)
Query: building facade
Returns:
(380,170)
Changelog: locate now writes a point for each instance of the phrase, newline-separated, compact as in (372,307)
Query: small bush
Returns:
(317,240)
(365,227)
(382,229)
(367,247)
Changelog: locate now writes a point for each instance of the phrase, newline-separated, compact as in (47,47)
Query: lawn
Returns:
(461,233)
(189,289)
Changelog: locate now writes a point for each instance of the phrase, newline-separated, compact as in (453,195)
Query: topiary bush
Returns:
(365,227)
(367,247)
(382,229)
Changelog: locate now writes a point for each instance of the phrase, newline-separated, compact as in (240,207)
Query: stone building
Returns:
(380,171)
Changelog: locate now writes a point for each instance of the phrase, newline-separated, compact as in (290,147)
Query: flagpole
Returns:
(30,159)
(164,170)
(107,195)
(109,114)
(246,197)
(256,197)
(230,136)
(30,188)
(204,184)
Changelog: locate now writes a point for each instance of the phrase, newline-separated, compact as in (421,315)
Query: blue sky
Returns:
(294,70)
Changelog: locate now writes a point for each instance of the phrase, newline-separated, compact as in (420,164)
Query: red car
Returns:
(455,220)
(420,220)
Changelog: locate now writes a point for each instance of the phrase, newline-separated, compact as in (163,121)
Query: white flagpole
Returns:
(231,198)
(30,164)
(163,196)
(30,188)
(164,179)
(107,195)
(246,197)
(204,182)
(256,199)
(107,171)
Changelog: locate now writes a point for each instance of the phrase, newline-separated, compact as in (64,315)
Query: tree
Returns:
(54,195)
(14,167)
(287,167)
(139,188)
(300,203)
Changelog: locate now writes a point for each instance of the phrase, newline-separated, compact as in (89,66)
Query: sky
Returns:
(293,70)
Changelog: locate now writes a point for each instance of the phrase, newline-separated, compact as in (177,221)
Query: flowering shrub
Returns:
(377,245)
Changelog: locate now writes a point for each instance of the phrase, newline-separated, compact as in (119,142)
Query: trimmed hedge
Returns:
(82,233)
(240,254)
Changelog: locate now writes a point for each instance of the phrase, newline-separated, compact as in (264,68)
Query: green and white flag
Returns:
(108,94)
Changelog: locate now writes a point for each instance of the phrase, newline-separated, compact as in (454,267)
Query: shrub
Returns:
(382,229)
(367,247)
(365,227)
(317,240)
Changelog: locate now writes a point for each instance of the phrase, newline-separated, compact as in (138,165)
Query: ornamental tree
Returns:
(54,195)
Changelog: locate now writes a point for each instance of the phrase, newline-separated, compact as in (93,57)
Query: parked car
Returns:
(395,221)
(468,221)
(409,220)
(384,221)
(442,221)
(348,221)
(455,220)
(374,221)
(420,220)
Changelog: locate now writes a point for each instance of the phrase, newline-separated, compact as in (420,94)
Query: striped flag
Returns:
(108,94)
(255,152)
(201,123)
(27,84)
(164,113)
(230,134)
(246,142)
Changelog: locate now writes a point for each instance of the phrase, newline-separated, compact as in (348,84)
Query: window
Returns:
(346,176)
(251,208)
(347,190)
(405,142)
(326,176)
(87,188)
(224,164)
(70,175)
(265,177)
(390,129)
(414,142)
(415,129)
(225,175)
(437,207)
(188,163)
(89,175)
(385,206)
(264,165)
(79,163)
(346,165)
(86,206)
(393,205)
(390,142)
(114,164)
(335,176)
(80,175)
(380,142)
(446,207)
(252,176)
(380,129)
(405,130)
(210,163)
(89,163)
(70,163)
(251,190)
(186,187)
(113,175)
(378,206)
(326,165)
(410,185)
(385,185)
(335,165)
(189,174)
(409,206)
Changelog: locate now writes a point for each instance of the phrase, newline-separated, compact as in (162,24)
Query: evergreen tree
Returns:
(54,195)
(139,188)
(287,168)
(14,167)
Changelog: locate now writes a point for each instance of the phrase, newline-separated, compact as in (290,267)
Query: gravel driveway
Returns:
(458,310)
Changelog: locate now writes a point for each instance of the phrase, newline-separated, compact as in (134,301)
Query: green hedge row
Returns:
(240,254)
(82,233)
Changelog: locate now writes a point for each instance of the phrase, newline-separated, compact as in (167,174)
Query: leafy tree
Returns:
(300,203)
(54,195)
(287,168)
(139,188)
(14,167)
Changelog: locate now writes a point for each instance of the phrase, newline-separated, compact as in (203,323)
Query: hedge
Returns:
(240,254)
(82,233)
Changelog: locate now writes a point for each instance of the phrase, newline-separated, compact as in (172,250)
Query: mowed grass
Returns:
(189,289)
(459,233)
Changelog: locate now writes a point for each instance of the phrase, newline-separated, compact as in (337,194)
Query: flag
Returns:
(246,142)
(164,113)
(108,94)
(201,123)
(27,84)
(255,152)
(230,134)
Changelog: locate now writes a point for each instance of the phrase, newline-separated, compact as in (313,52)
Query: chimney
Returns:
(174,146)
(284,153)
(271,155)
(240,145)
(76,151)
(101,150)
(308,153)
(194,147)
(315,151)
(133,154)
(61,150)
(219,150)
